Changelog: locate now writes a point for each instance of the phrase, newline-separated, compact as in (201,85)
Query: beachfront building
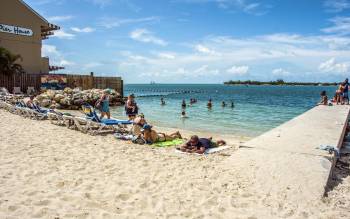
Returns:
(21,32)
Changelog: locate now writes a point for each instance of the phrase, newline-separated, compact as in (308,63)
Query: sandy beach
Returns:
(47,171)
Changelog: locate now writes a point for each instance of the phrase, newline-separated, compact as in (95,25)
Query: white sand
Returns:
(47,171)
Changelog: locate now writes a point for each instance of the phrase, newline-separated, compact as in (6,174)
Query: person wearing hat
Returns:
(131,108)
(151,136)
(104,103)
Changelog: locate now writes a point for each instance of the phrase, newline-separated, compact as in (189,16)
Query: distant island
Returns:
(279,82)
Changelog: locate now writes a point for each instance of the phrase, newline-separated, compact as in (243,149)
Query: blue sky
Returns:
(200,41)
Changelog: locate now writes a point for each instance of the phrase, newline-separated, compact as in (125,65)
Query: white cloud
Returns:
(110,22)
(166,55)
(341,26)
(280,72)
(60,18)
(333,66)
(47,50)
(55,56)
(246,6)
(336,5)
(92,65)
(146,36)
(238,70)
(101,3)
(260,54)
(83,30)
(64,62)
(61,34)
(203,49)
(204,71)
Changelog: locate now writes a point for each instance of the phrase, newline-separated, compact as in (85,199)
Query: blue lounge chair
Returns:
(104,125)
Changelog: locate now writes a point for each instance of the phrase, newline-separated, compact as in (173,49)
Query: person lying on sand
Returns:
(151,136)
(199,145)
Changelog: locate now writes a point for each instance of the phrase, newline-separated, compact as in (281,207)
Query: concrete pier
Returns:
(286,160)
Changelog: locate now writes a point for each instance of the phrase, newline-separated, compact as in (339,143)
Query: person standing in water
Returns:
(232,104)
(209,104)
(104,103)
(223,104)
(131,108)
(162,101)
(183,105)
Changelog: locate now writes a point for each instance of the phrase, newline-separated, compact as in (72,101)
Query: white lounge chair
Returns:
(30,90)
(17,90)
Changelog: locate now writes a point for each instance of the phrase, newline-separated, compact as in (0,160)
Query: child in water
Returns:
(232,104)
(209,104)
(183,114)
(183,105)
(162,101)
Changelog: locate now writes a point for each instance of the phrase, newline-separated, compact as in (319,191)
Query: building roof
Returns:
(32,10)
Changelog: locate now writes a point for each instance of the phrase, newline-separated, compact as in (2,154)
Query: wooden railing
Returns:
(84,81)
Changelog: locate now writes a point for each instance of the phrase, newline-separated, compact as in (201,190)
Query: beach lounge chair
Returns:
(35,113)
(30,90)
(17,90)
(61,119)
(95,125)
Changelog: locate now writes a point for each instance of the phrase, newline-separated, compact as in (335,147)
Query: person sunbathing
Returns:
(139,122)
(30,102)
(199,145)
(151,136)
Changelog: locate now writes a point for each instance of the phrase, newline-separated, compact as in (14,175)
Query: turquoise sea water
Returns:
(257,108)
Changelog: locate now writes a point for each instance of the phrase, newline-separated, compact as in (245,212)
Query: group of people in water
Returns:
(341,95)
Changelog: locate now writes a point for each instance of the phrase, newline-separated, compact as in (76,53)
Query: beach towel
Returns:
(208,151)
(125,137)
(174,142)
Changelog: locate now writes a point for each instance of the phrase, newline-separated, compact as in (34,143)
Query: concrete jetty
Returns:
(286,162)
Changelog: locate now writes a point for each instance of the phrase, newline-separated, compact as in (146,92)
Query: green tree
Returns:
(8,62)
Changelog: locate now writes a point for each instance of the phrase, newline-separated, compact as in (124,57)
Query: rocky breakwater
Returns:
(73,98)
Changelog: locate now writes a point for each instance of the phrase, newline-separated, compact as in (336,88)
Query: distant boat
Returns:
(153,82)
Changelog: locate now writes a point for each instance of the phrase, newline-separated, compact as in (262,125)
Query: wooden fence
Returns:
(84,81)
(20,80)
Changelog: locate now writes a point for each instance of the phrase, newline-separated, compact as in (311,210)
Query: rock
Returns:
(68,90)
(58,97)
(74,98)
(45,103)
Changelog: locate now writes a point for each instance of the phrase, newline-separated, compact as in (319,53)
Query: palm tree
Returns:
(8,65)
